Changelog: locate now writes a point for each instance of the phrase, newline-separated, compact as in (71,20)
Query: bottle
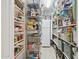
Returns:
(33,57)
(69,34)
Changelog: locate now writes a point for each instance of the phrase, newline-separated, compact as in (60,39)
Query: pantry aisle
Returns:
(39,29)
(53,23)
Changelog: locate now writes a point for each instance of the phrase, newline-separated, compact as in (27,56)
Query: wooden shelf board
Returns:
(16,7)
(61,51)
(19,32)
(32,31)
(20,2)
(67,26)
(65,40)
(18,20)
(19,53)
(21,43)
(18,41)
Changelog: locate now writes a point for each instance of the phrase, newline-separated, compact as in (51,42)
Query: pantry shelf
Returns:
(18,20)
(18,42)
(55,42)
(31,32)
(20,2)
(19,33)
(19,53)
(19,10)
(59,50)
(21,43)
(65,41)
(67,26)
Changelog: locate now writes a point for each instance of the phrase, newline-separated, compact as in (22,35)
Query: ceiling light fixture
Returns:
(48,3)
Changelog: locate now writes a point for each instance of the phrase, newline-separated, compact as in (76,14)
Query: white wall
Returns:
(6,31)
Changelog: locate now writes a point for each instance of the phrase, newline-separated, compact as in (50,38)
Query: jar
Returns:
(69,29)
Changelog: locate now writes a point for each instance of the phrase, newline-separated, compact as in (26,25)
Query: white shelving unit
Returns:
(32,29)
(62,35)
(19,23)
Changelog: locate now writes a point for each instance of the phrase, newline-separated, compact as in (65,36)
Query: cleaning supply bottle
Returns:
(33,57)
